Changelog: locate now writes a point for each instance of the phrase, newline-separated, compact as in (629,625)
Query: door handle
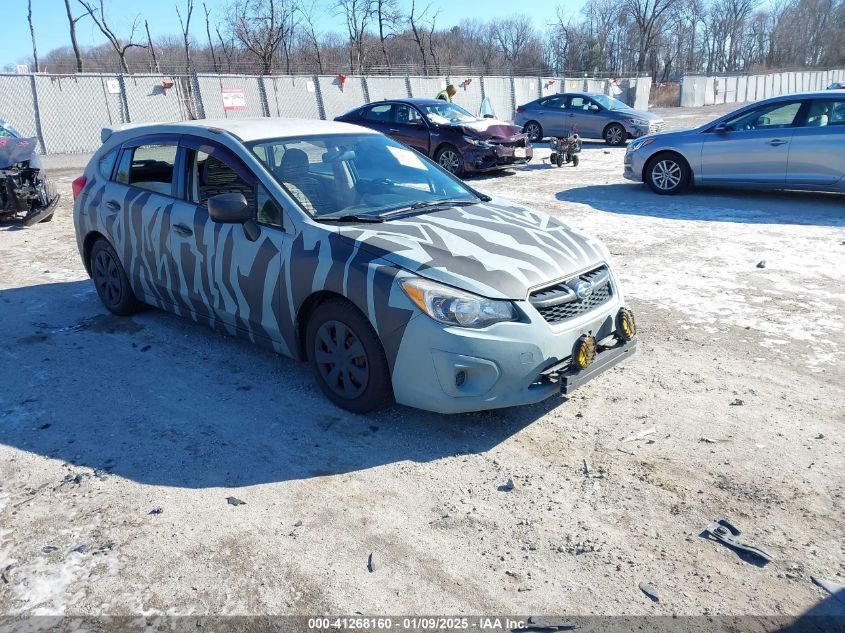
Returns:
(777,141)
(113,205)
(182,230)
(393,130)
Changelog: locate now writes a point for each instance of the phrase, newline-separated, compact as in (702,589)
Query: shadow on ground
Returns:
(716,205)
(161,400)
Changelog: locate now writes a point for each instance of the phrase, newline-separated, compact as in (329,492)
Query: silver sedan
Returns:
(789,142)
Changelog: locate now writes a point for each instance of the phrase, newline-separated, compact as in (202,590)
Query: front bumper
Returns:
(458,370)
(634,164)
(499,156)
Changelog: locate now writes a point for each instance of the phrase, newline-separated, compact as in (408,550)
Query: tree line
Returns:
(661,38)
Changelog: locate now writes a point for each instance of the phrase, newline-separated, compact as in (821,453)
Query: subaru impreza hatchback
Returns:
(337,245)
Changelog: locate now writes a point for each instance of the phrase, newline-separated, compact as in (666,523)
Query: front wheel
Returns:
(347,358)
(534,131)
(111,280)
(667,174)
(615,134)
(450,159)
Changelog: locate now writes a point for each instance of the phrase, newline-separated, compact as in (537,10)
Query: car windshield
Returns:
(358,176)
(610,103)
(445,113)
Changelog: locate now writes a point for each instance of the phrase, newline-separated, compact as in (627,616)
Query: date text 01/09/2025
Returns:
(420,623)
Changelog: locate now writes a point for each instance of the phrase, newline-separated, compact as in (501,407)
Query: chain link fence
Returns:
(67,112)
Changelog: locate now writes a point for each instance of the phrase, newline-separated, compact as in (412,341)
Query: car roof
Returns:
(412,101)
(246,129)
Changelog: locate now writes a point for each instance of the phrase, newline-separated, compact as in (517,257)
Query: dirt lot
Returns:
(120,439)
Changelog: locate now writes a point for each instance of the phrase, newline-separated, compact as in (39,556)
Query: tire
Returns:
(450,159)
(614,134)
(559,160)
(111,281)
(667,174)
(575,160)
(359,383)
(534,131)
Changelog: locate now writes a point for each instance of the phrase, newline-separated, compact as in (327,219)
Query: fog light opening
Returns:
(585,351)
(626,326)
(460,378)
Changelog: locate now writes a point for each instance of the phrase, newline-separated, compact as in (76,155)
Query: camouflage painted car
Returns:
(334,244)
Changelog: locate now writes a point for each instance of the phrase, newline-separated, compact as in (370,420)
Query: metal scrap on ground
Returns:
(727,534)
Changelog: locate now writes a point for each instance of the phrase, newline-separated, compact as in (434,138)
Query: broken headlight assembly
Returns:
(24,191)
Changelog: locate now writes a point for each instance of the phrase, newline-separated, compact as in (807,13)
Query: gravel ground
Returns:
(121,439)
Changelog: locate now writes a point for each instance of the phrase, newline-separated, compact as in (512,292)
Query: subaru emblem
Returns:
(583,289)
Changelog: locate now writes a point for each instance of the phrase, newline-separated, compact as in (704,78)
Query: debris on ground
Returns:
(234,501)
(648,589)
(833,588)
(508,486)
(640,435)
(371,564)
(587,469)
(761,263)
(49,549)
(727,534)
(156,510)
(820,436)
(736,402)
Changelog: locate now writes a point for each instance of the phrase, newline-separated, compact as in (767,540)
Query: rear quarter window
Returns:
(106,164)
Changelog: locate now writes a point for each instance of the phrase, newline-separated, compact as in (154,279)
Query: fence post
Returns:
(124,102)
(321,108)
(37,114)
(366,88)
(513,95)
(408,85)
(262,93)
(197,95)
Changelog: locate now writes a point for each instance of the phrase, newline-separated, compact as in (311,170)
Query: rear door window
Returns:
(379,113)
(149,167)
(825,112)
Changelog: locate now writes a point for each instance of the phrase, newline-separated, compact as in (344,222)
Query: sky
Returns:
(51,28)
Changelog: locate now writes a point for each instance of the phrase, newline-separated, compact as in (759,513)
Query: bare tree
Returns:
(32,33)
(419,30)
(262,26)
(72,25)
(387,16)
(646,15)
(186,29)
(357,15)
(154,61)
(228,51)
(310,35)
(210,43)
(120,47)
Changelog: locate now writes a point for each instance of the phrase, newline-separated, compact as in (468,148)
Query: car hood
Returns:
(495,249)
(489,129)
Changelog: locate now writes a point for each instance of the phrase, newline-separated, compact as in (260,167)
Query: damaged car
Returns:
(25,193)
(337,245)
(458,141)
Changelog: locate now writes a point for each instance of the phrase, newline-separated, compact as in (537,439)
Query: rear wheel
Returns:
(615,134)
(534,131)
(347,358)
(111,281)
(450,159)
(575,160)
(667,174)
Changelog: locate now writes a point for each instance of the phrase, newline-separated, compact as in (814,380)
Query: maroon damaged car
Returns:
(460,142)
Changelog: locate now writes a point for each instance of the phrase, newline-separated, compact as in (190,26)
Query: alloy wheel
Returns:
(341,359)
(613,135)
(666,175)
(107,278)
(450,161)
(533,132)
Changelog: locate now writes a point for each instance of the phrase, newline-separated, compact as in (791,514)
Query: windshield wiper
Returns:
(349,217)
(424,205)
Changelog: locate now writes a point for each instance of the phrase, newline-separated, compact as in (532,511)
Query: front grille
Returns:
(517,143)
(545,299)
(656,127)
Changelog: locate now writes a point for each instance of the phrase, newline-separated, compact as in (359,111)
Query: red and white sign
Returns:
(233,99)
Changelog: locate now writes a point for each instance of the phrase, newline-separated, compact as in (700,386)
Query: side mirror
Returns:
(722,128)
(229,208)
(594,108)
(489,116)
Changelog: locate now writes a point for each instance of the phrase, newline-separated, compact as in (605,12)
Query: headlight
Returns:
(641,122)
(476,141)
(633,146)
(456,307)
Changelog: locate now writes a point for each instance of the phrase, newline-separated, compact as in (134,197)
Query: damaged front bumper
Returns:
(497,156)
